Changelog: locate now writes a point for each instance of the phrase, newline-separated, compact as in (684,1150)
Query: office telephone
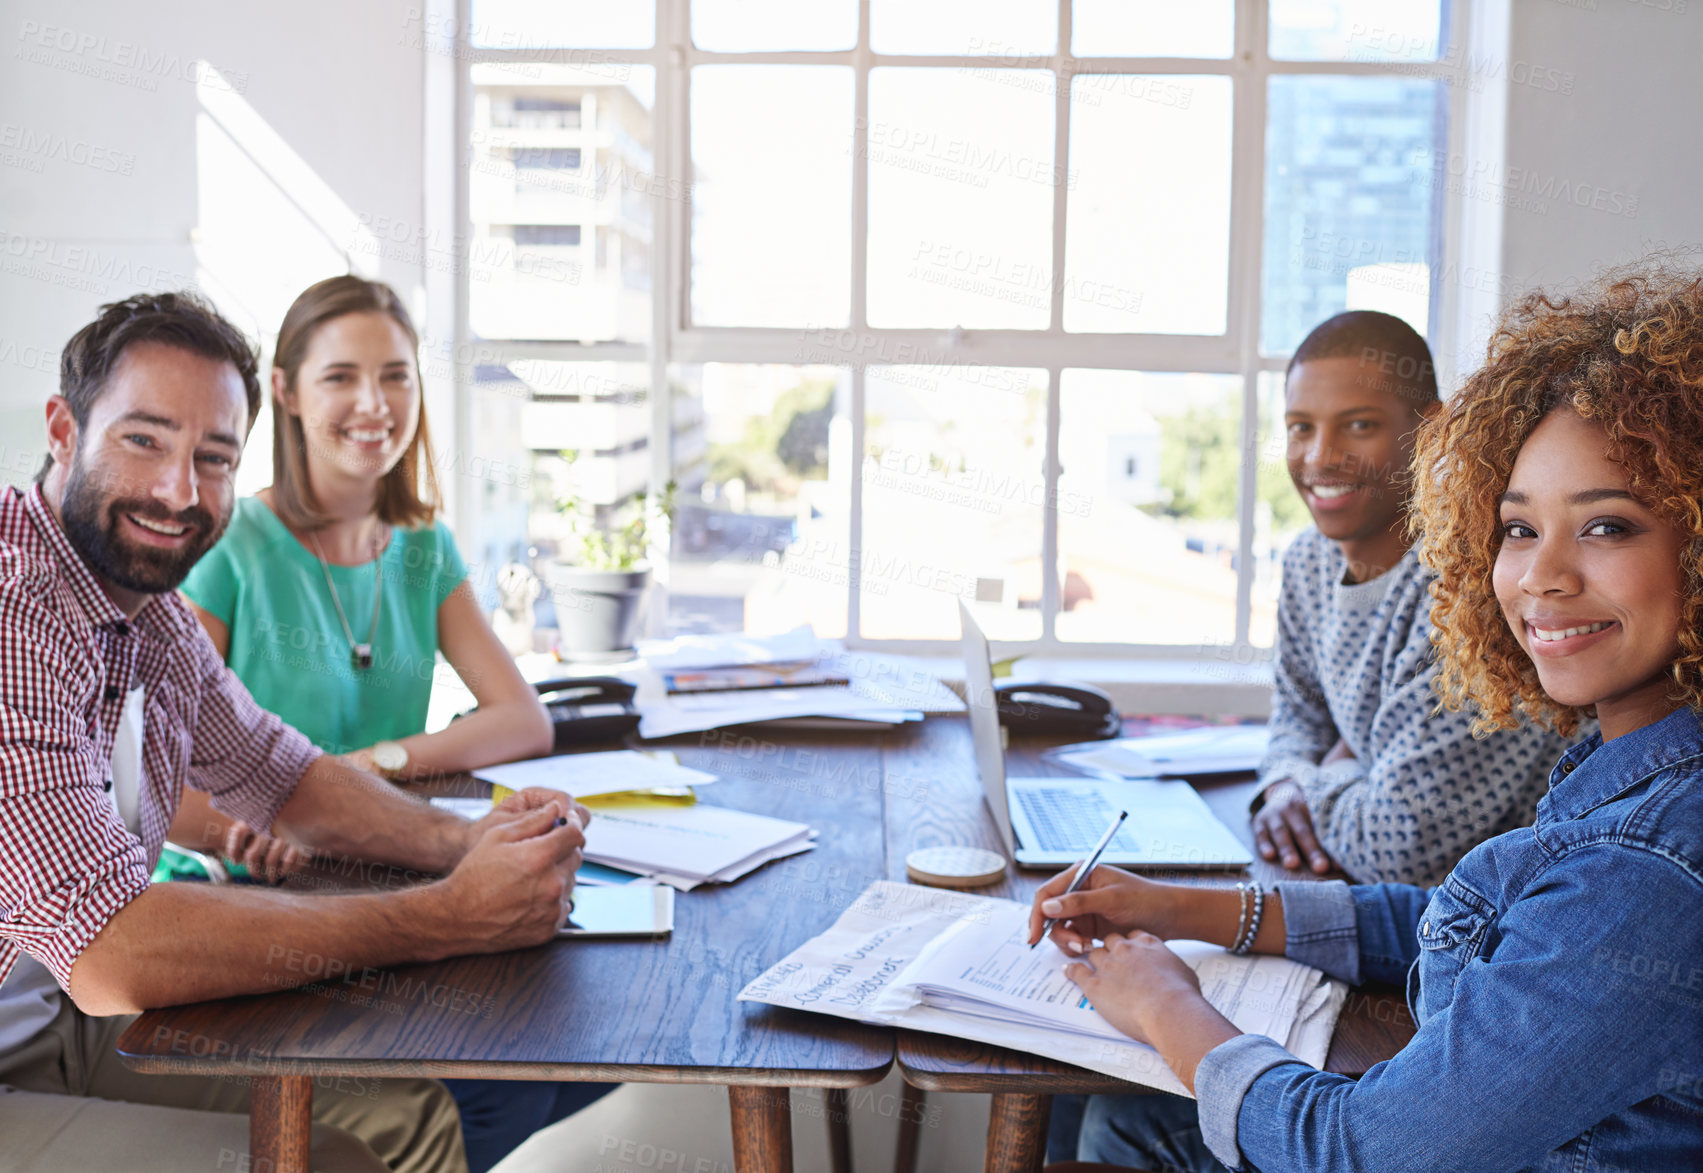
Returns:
(1063,710)
(588,709)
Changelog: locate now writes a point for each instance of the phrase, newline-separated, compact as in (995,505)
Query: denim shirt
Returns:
(1556,976)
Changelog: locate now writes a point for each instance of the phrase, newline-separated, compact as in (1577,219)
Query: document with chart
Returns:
(955,964)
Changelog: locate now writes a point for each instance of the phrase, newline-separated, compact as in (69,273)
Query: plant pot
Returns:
(597,611)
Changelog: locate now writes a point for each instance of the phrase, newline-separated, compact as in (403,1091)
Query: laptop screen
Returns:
(984,725)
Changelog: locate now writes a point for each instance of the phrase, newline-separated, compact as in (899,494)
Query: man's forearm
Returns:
(180,943)
(338,810)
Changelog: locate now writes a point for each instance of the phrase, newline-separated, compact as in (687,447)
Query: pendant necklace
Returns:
(360,654)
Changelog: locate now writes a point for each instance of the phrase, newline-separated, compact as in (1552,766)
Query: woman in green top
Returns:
(332,593)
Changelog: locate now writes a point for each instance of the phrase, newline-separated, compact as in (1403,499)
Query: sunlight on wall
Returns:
(268,228)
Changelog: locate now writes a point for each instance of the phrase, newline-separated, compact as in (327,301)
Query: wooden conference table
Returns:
(664,1012)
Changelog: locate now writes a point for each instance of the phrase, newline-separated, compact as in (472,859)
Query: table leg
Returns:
(280,1118)
(911,1108)
(839,1130)
(1017,1132)
(762,1129)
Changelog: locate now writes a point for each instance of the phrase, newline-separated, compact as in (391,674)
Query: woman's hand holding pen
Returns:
(1112,901)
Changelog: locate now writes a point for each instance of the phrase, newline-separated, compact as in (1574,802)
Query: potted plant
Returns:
(600,593)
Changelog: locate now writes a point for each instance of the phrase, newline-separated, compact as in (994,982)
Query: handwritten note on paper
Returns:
(845,970)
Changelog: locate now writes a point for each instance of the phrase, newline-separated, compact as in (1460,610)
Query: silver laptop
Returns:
(1053,822)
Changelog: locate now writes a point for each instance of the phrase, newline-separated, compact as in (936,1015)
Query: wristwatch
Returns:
(390,758)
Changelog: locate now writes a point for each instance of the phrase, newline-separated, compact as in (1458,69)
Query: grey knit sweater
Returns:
(1355,661)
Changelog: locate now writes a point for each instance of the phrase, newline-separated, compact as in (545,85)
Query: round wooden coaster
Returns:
(954,867)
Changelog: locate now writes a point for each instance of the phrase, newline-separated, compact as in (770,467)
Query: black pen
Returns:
(1081,877)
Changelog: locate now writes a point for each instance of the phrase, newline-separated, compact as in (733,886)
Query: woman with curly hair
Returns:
(1557,973)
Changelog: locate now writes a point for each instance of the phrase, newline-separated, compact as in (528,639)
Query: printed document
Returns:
(1217,749)
(687,845)
(955,964)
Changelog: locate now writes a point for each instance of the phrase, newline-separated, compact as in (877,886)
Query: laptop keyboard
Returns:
(1071,820)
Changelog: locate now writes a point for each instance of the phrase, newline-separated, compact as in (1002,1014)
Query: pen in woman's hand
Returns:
(1082,871)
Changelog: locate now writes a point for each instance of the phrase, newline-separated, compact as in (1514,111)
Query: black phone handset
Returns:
(1067,710)
(589,709)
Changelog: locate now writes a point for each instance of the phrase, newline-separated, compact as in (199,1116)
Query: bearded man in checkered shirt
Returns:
(112,699)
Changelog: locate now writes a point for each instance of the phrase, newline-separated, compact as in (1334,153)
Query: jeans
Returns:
(1064,1127)
(497,1115)
(1157,1133)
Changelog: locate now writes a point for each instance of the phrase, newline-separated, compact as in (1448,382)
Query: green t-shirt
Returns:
(288,647)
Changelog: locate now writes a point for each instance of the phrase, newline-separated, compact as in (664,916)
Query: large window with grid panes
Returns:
(927,301)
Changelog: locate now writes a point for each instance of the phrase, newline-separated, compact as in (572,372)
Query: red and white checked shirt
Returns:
(68,658)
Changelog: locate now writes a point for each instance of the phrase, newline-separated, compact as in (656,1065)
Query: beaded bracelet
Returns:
(1245,945)
(1242,921)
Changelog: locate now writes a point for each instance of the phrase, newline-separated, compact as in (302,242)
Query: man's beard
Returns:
(93,523)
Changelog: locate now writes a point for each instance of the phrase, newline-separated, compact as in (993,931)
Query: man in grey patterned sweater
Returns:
(1364,768)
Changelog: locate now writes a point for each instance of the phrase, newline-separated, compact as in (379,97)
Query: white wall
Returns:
(125,165)
(1626,142)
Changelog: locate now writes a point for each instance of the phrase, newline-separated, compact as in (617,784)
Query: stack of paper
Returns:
(1218,749)
(954,964)
(691,652)
(881,691)
(586,774)
(684,846)
(986,969)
